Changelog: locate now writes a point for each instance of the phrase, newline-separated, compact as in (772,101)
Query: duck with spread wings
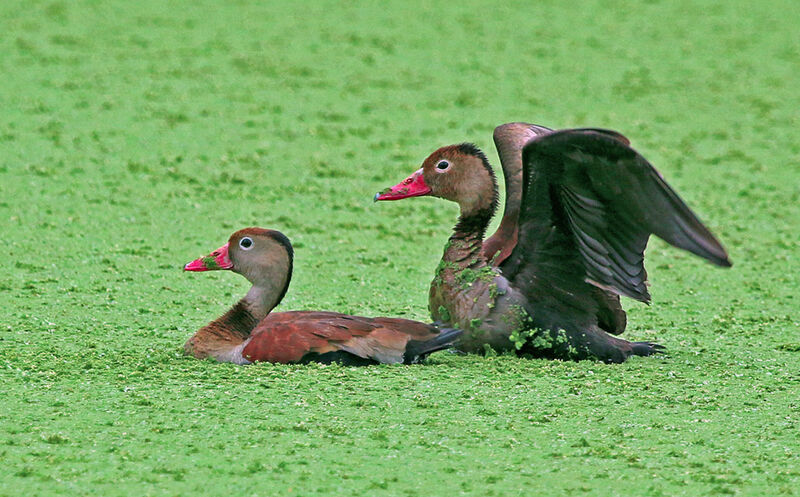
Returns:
(581,205)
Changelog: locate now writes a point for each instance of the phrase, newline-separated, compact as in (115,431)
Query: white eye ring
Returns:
(246,243)
(442,166)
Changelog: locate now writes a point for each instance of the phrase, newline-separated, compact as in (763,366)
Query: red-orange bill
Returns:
(413,186)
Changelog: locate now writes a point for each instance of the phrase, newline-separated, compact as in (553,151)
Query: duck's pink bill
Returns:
(413,186)
(217,259)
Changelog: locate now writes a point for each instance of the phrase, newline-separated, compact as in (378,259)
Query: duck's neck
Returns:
(234,326)
(221,337)
(465,245)
(240,319)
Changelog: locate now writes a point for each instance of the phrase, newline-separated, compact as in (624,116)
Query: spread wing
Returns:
(303,336)
(589,206)
(509,139)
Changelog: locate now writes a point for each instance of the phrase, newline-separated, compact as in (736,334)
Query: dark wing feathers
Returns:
(634,190)
(417,350)
(588,198)
(509,139)
(609,133)
(612,254)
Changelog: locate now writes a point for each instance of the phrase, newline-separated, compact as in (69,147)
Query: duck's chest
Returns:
(462,296)
(478,301)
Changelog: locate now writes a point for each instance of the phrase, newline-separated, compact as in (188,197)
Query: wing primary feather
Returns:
(600,261)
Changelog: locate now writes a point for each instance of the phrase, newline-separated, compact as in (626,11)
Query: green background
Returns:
(136,136)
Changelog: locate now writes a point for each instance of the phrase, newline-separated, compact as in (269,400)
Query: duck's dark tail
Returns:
(417,350)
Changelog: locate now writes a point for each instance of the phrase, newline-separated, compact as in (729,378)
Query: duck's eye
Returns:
(246,243)
(442,165)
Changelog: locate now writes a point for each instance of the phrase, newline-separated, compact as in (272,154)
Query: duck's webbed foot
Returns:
(647,348)
(604,347)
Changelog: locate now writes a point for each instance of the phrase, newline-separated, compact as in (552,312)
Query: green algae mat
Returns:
(136,136)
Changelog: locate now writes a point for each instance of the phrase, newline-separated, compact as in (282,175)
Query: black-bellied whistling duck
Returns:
(581,205)
(249,333)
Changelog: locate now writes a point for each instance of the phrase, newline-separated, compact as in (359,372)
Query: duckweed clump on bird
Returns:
(135,135)
(441,268)
(522,331)
(494,292)
(209,262)
(444,314)
(467,276)
(546,342)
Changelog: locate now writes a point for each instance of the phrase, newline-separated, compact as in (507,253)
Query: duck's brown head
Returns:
(460,173)
(262,256)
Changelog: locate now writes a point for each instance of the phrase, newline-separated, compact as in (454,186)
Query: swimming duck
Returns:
(581,205)
(249,332)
